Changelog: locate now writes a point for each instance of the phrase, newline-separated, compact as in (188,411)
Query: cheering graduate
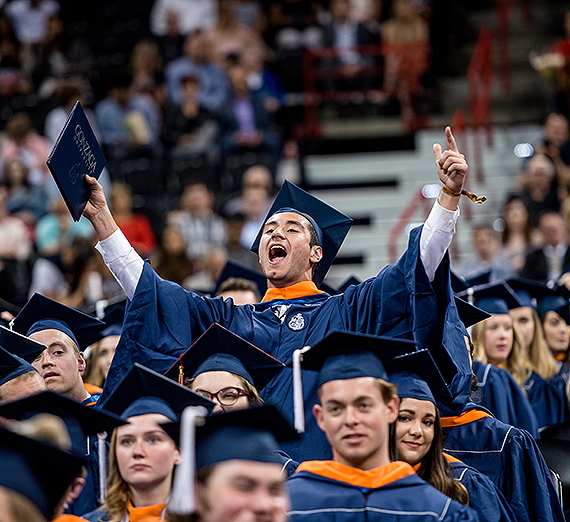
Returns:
(66,333)
(83,424)
(18,378)
(142,456)
(498,343)
(419,442)
(225,369)
(30,490)
(357,404)
(297,244)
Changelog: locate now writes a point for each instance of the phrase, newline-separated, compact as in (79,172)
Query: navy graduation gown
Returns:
(337,493)
(548,402)
(484,497)
(88,499)
(510,458)
(163,320)
(502,396)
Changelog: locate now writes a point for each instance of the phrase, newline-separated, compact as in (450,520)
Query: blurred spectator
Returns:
(192,15)
(172,263)
(196,62)
(14,239)
(255,206)
(189,127)
(344,34)
(26,144)
(288,20)
(15,250)
(24,200)
(260,79)
(515,238)
(66,96)
(200,226)
(136,227)
(538,184)
(561,47)
(128,122)
(171,43)
(254,178)
(556,145)
(486,245)
(407,52)
(13,81)
(146,71)
(250,13)
(213,262)
(57,230)
(242,291)
(229,38)
(238,253)
(50,62)
(245,123)
(552,259)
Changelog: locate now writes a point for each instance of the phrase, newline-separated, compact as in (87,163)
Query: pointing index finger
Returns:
(450,140)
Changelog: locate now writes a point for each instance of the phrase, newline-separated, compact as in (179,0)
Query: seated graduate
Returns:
(296,247)
(418,440)
(30,490)
(18,378)
(83,424)
(357,404)
(546,386)
(500,363)
(507,455)
(66,332)
(225,369)
(142,455)
(239,473)
(243,285)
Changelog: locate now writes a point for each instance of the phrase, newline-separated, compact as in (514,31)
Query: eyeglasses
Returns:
(226,396)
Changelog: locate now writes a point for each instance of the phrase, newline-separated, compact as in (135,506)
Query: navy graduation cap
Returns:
(12,366)
(528,292)
(218,349)
(41,313)
(113,317)
(75,153)
(20,345)
(458,283)
(469,314)
(557,300)
(410,386)
(81,421)
(493,298)
(37,470)
(235,270)
(330,225)
(143,391)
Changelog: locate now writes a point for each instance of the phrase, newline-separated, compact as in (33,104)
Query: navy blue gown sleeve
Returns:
(548,401)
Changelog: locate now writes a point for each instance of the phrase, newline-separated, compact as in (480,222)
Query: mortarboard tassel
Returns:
(102,457)
(298,404)
(182,497)
(181,374)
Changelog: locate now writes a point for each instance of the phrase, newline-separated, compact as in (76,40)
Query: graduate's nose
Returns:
(415,428)
(351,418)
(46,359)
(263,502)
(138,449)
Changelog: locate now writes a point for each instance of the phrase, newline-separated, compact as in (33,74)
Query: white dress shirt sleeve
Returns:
(122,260)
(436,237)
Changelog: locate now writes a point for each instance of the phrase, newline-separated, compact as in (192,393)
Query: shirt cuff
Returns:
(442,219)
(114,247)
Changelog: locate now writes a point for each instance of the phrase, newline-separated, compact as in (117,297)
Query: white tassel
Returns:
(102,456)
(470,298)
(182,496)
(298,403)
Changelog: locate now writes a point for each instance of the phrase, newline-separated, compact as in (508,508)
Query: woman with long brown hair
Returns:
(418,440)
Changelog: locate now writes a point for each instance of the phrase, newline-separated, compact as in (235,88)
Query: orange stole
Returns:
(371,478)
(68,518)
(92,389)
(145,513)
(291,292)
(465,418)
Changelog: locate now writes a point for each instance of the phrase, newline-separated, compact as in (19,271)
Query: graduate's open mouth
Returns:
(48,375)
(277,253)
(353,437)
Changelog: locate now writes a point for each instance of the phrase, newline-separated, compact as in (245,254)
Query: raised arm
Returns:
(440,225)
(119,256)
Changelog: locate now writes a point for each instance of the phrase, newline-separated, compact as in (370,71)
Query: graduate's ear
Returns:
(318,412)
(81,362)
(316,254)
(177,458)
(393,406)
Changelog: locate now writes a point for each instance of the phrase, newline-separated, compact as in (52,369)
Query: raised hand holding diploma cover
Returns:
(75,154)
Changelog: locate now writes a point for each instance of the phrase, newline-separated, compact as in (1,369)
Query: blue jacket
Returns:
(484,497)
(163,320)
(509,457)
(329,491)
(503,397)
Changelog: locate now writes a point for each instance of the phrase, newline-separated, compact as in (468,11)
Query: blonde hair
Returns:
(252,394)
(117,488)
(539,355)
(20,509)
(516,363)
(93,373)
